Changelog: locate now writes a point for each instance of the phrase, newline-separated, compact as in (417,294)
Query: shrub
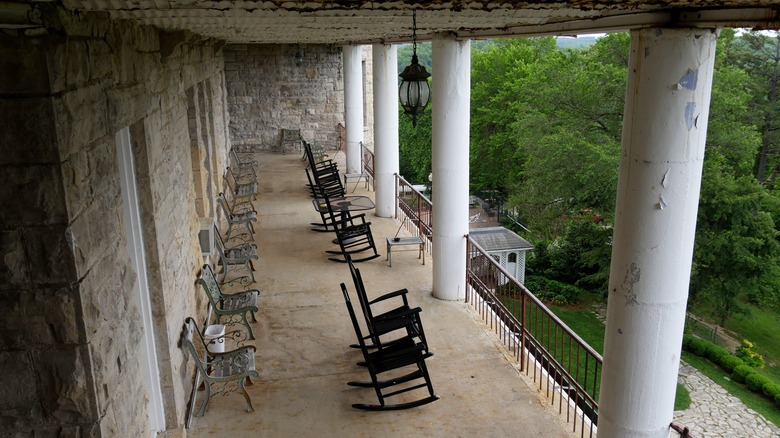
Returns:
(698,346)
(730,362)
(741,372)
(749,354)
(687,339)
(552,291)
(771,390)
(715,353)
(755,382)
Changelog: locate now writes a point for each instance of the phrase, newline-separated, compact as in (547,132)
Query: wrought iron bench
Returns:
(228,372)
(290,136)
(235,258)
(229,309)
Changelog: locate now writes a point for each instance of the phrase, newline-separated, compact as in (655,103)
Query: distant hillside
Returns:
(575,43)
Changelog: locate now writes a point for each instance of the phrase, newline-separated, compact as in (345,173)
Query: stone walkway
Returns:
(714,413)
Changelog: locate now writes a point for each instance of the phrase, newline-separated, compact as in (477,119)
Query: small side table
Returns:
(414,240)
(358,177)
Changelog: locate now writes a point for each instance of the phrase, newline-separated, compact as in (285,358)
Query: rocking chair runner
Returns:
(352,236)
(403,354)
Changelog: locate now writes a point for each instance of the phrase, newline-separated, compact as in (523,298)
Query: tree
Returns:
(736,250)
(758,54)
(415,146)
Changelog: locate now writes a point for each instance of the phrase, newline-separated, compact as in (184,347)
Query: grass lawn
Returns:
(591,330)
(682,399)
(584,323)
(761,328)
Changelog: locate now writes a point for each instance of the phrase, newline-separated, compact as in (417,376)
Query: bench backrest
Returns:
(209,283)
(222,202)
(191,332)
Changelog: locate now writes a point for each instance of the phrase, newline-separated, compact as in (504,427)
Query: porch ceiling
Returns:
(353,21)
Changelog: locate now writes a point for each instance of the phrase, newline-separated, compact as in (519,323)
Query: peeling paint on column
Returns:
(690,120)
(690,79)
(632,277)
(665,179)
(662,203)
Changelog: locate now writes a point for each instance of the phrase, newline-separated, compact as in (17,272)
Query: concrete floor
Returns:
(303,332)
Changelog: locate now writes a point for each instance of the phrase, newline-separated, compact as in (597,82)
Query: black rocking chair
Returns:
(400,316)
(403,361)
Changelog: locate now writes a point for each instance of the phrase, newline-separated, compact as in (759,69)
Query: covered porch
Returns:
(303,332)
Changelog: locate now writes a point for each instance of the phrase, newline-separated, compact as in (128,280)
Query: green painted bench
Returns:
(227,372)
(229,308)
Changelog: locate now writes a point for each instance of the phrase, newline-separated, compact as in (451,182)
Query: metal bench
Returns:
(229,309)
(229,371)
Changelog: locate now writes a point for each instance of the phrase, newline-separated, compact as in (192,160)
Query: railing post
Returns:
(522,330)
(419,216)
(397,196)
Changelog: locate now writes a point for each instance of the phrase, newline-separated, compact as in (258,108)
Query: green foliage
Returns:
(682,398)
(696,345)
(741,372)
(749,354)
(581,256)
(415,146)
(552,291)
(424,52)
(729,362)
(736,248)
(771,390)
(756,382)
(716,353)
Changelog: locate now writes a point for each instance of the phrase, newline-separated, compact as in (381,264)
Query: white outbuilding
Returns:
(505,246)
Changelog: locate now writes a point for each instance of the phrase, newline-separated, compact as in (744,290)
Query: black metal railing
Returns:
(368,163)
(565,367)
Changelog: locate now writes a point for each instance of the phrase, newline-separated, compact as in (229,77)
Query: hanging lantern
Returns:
(414,91)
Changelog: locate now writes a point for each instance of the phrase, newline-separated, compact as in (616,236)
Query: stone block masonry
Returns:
(70,346)
(267,92)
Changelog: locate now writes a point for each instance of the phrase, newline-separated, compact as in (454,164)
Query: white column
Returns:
(664,131)
(451,90)
(353,105)
(385,61)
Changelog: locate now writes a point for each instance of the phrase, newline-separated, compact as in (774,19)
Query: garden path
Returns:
(714,413)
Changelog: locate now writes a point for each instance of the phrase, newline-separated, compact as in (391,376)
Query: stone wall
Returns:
(70,346)
(267,92)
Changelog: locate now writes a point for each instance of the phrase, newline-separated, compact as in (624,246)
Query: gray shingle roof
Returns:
(499,239)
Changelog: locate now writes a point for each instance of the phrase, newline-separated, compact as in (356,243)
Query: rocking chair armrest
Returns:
(400,292)
(398,313)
